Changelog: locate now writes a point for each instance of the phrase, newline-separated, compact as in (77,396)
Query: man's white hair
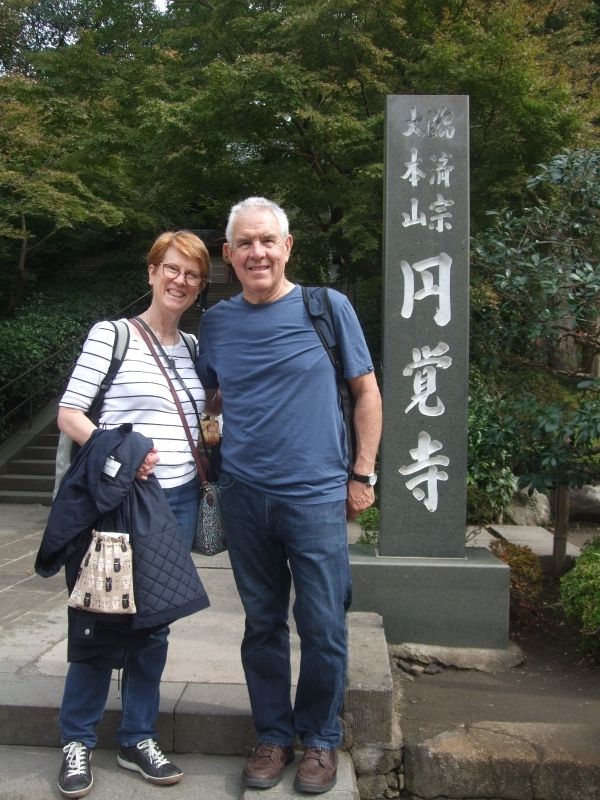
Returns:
(257,202)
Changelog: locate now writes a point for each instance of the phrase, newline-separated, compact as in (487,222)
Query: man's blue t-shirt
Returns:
(283,429)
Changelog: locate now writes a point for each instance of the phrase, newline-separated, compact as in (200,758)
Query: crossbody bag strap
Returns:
(199,466)
(161,349)
(151,333)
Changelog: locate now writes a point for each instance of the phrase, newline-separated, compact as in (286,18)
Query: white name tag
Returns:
(111,467)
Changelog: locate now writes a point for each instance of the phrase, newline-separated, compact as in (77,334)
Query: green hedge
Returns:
(50,327)
(580,594)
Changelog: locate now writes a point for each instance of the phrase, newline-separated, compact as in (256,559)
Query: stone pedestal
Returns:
(452,602)
(421,580)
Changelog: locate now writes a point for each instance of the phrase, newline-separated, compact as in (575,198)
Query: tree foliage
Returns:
(540,265)
(167,119)
(536,287)
(39,193)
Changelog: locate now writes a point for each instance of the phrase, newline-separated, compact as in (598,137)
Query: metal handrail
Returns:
(28,374)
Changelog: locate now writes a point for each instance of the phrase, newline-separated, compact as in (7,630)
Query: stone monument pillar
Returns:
(427,585)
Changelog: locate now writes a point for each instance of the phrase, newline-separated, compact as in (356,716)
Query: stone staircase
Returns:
(27,460)
(29,477)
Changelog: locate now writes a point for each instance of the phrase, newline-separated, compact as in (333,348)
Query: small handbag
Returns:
(104,582)
(210,533)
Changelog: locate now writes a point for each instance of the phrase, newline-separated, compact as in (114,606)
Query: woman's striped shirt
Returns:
(140,395)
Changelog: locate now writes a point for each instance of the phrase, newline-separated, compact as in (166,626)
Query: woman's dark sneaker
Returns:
(75,778)
(146,758)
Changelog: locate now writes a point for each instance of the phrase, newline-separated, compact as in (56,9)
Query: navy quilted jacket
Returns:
(166,582)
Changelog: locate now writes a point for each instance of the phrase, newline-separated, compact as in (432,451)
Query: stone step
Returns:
(40,453)
(29,466)
(23,497)
(46,439)
(30,772)
(538,539)
(28,483)
(208,718)
(195,717)
(506,760)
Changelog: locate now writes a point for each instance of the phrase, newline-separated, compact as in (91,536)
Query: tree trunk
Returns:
(561,528)
(18,287)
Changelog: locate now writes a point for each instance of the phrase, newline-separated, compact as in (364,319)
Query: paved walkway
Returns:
(507,733)
(204,704)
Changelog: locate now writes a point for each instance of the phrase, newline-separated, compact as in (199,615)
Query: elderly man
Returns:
(287,490)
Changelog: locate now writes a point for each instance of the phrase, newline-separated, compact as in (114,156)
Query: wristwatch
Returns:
(371,479)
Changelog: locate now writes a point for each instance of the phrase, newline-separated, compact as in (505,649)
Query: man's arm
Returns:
(367,428)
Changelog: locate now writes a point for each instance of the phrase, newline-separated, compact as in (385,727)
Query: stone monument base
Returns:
(454,602)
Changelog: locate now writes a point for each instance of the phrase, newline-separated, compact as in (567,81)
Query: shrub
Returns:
(50,327)
(526,578)
(490,480)
(580,594)
(369,523)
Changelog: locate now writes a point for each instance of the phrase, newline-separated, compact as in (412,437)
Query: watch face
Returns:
(372,479)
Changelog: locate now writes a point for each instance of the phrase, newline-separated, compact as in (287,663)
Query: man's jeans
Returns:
(86,686)
(271,542)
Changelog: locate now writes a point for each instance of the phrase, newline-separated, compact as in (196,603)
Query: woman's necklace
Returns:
(169,349)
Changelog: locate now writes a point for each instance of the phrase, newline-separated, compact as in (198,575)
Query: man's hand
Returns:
(360,497)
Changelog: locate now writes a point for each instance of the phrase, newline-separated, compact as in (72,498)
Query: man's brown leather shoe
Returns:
(317,771)
(265,765)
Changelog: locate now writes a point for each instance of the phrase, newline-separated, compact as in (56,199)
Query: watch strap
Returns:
(368,479)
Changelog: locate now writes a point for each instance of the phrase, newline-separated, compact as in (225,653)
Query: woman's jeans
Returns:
(272,542)
(86,686)
(184,504)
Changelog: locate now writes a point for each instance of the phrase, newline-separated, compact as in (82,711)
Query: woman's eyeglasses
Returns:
(191,278)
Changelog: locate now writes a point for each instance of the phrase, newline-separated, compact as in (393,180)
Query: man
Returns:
(285,490)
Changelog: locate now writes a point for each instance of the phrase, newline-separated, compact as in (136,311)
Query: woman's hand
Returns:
(146,468)
(210,432)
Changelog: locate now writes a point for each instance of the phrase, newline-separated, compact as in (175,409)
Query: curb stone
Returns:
(507,761)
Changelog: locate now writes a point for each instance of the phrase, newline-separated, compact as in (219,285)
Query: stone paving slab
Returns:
(205,702)
(506,761)
(345,789)
(30,773)
(540,540)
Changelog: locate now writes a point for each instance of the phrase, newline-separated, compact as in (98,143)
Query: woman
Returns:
(178,265)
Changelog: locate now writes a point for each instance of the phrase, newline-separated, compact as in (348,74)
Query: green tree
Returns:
(38,196)
(519,115)
(73,165)
(171,118)
(536,288)
(288,99)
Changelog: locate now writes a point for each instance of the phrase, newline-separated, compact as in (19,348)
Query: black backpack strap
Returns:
(317,302)
(318,305)
(67,448)
(189,342)
(120,346)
